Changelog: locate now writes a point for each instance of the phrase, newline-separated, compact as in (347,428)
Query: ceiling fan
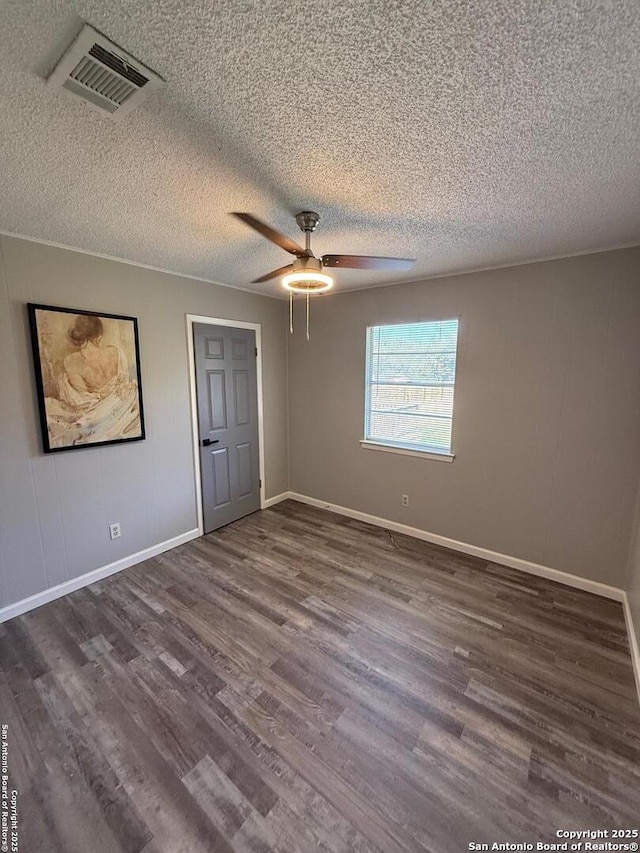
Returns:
(307,262)
(305,274)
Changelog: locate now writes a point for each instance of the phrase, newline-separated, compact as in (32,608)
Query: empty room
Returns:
(319,426)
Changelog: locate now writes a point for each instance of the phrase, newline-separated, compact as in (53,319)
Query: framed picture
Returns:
(87,368)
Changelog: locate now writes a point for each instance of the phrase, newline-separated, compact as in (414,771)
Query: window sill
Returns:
(402,451)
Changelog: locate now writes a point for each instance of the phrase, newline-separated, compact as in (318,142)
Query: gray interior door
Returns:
(227,391)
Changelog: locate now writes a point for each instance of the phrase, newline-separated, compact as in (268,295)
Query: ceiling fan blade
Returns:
(271,234)
(273,274)
(367,262)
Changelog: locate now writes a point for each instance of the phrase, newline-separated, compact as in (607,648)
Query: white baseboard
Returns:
(585,584)
(276,499)
(633,641)
(72,585)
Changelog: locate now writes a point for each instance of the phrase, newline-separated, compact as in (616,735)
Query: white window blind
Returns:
(411,373)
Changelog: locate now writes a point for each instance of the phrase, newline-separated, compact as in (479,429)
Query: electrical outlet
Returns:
(405,500)
(114,530)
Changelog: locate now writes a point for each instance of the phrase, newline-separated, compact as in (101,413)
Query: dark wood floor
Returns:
(299,681)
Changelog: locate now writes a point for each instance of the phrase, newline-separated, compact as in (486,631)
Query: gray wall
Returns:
(547,411)
(55,509)
(546,432)
(633,581)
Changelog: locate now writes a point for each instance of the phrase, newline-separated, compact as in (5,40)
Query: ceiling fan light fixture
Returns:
(307,281)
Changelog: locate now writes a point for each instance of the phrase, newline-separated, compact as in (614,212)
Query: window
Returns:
(410,375)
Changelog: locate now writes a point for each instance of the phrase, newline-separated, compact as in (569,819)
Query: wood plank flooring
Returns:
(299,681)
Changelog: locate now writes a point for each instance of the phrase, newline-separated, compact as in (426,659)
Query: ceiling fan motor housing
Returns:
(306,276)
(310,263)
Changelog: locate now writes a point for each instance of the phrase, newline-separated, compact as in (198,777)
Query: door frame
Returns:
(195,431)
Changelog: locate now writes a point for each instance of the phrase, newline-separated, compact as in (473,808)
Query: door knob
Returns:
(207,441)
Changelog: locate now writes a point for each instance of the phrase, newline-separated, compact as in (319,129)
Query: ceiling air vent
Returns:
(101,73)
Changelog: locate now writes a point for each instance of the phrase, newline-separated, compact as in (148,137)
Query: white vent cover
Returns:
(102,74)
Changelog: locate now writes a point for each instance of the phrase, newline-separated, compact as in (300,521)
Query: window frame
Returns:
(424,452)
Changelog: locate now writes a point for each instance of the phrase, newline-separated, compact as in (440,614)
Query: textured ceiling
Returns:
(465,134)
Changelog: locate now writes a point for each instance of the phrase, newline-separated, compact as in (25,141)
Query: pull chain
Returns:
(307,315)
(291,311)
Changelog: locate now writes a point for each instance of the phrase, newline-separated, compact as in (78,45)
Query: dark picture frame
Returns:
(88,379)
